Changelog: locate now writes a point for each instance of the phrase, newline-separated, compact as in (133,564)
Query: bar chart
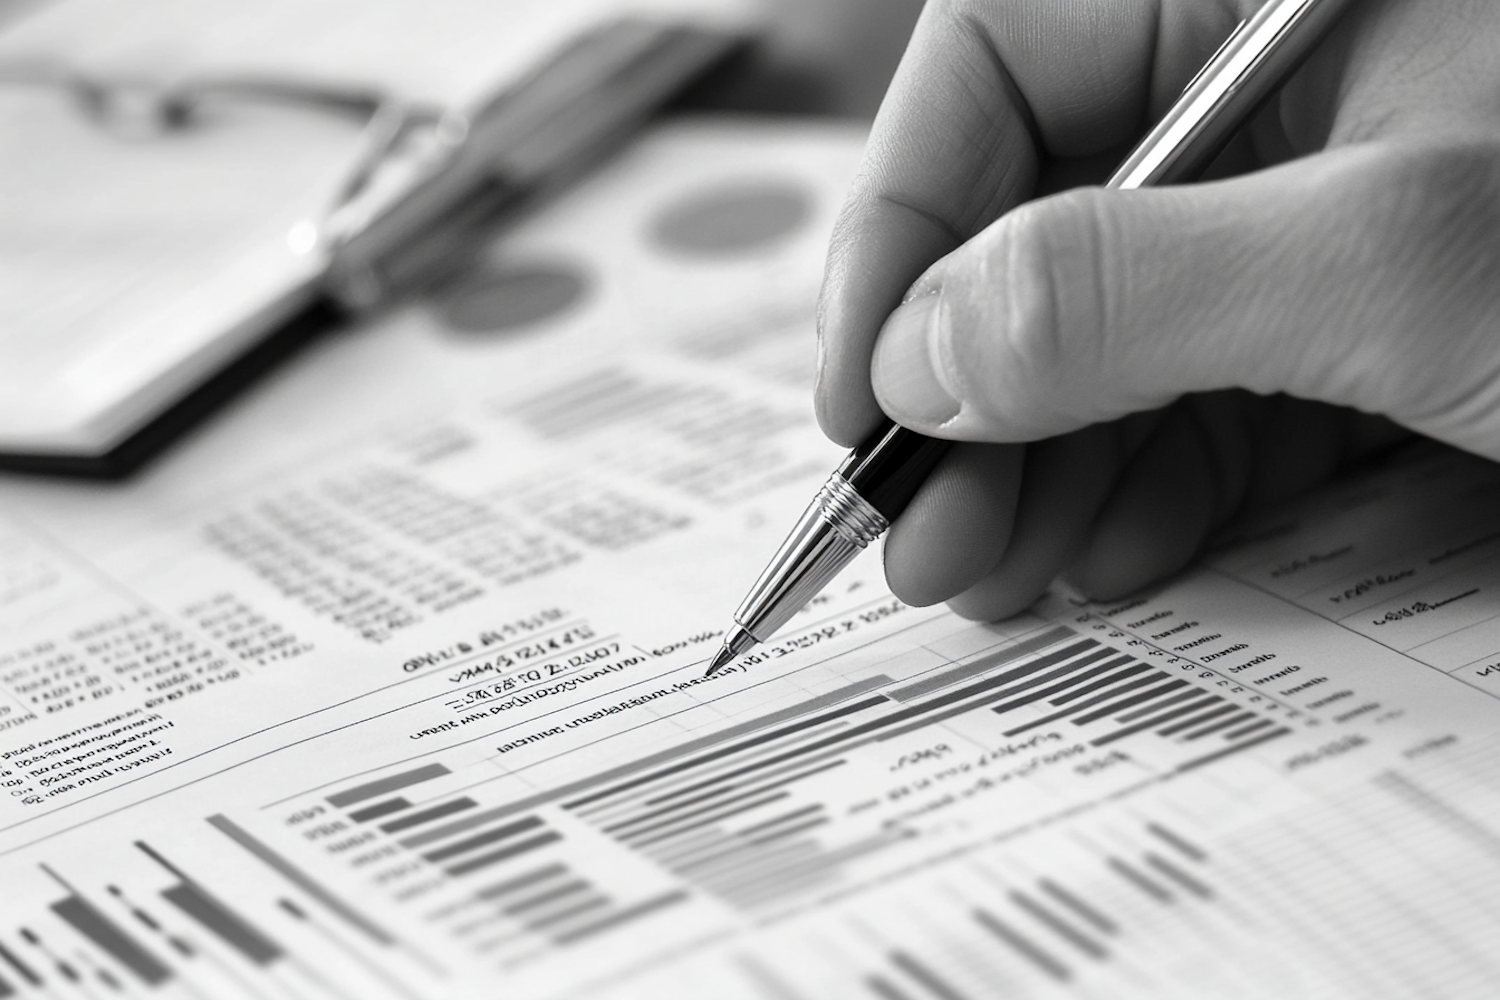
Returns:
(757,817)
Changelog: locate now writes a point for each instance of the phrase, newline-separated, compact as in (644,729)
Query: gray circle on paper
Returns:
(503,298)
(732,218)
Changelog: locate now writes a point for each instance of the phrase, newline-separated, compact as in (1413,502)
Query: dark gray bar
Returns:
(1103,682)
(1179,876)
(1210,758)
(27,974)
(689,747)
(542,920)
(469,822)
(1225,721)
(1141,713)
(1069,672)
(1097,699)
(428,815)
(1152,722)
(379,809)
(531,878)
(224,923)
(1235,734)
(884,988)
(504,853)
(1150,694)
(1223,708)
(297,877)
(1181,843)
(1032,952)
(542,899)
(6,989)
(622,916)
(87,920)
(1059,926)
(390,783)
(1079,908)
(934,983)
(484,839)
(927,685)
(1139,880)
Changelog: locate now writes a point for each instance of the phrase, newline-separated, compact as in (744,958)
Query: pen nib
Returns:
(724,655)
(739,640)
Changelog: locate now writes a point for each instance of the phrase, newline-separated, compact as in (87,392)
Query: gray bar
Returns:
(6,989)
(692,746)
(1208,726)
(1090,915)
(457,826)
(935,984)
(390,783)
(504,853)
(379,809)
(1191,850)
(1254,727)
(522,881)
(1141,713)
(884,988)
(622,916)
(1179,876)
(1219,754)
(94,925)
(1059,926)
(927,685)
(428,815)
(223,923)
(1023,945)
(1140,881)
(295,875)
(483,839)
(550,895)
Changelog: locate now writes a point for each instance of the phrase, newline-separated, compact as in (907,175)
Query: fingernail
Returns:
(908,370)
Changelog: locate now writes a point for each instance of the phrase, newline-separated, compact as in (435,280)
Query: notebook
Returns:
(171,172)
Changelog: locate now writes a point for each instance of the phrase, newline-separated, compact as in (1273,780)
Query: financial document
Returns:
(390,683)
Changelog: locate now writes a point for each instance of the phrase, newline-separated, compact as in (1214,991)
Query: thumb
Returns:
(1367,277)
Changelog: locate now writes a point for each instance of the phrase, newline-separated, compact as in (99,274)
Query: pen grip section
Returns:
(890,466)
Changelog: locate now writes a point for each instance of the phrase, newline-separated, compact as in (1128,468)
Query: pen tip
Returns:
(738,641)
(723,656)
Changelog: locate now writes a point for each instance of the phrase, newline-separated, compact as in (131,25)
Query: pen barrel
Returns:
(889,466)
(835,528)
(1246,71)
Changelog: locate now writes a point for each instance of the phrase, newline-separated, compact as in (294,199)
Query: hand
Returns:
(1171,355)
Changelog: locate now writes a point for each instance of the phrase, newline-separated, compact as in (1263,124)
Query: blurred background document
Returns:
(178,177)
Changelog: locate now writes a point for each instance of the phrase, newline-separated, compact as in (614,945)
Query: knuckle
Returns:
(1045,276)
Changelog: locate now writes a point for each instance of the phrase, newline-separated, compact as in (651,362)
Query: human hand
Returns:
(1348,272)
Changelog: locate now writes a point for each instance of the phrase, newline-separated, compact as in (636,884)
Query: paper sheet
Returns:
(390,683)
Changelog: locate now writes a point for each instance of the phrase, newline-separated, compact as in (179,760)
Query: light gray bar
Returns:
(927,685)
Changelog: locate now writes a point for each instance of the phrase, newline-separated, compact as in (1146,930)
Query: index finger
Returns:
(989,93)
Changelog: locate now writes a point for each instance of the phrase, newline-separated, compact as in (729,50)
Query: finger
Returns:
(984,92)
(1065,483)
(957,526)
(1162,508)
(1364,277)
(1211,457)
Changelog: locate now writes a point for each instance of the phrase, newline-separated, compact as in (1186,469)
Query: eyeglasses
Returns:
(427,136)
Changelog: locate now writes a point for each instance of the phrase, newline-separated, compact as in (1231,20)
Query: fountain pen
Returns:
(878,479)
